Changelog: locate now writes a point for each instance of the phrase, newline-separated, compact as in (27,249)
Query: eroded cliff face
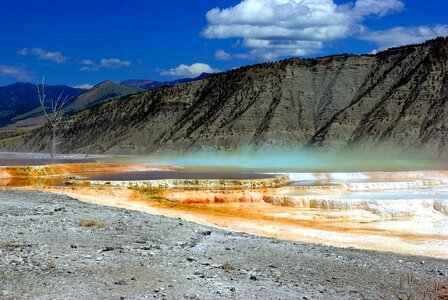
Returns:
(398,97)
(404,101)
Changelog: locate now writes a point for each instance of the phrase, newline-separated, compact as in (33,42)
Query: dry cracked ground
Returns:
(54,247)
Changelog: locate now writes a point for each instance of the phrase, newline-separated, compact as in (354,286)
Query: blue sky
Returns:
(84,42)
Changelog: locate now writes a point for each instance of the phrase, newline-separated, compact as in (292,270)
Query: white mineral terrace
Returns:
(407,211)
(404,212)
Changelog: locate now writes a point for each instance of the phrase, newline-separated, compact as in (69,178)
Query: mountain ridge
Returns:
(397,97)
(20,97)
(32,116)
(148,84)
(99,93)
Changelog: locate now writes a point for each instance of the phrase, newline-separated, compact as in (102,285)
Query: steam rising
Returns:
(297,160)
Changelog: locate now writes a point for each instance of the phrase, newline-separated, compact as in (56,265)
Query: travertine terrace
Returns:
(405,212)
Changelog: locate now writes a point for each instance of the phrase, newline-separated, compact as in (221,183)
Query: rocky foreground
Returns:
(54,247)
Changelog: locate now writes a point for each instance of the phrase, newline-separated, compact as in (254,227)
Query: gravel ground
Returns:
(54,247)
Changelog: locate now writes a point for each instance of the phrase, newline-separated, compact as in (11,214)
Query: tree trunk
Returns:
(54,116)
(53,142)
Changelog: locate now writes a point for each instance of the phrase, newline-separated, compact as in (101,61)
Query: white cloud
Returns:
(114,63)
(110,63)
(16,72)
(222,55)
(23,52)
(43,54)
(85,86)
(87,62)
(377,7)
(193,70)
(274,28)
(399,36)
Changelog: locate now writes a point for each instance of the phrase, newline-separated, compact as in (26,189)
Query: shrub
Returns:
(92,223)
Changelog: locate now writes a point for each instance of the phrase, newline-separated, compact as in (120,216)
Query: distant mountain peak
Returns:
(101,92)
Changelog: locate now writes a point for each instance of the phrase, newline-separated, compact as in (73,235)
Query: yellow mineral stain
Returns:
(249,210)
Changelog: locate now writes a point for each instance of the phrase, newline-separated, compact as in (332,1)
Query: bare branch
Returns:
(59,110)
(54,117)
(43,90)
(55,108)
(67,98)
(41,94)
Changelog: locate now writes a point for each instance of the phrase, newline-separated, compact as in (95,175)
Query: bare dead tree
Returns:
(54,114)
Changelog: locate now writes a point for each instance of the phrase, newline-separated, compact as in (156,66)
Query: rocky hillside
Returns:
(398,97)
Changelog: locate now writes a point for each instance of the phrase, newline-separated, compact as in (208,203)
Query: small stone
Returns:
(422,262)
(73,246)
(190,259)
(120,282)
(253,277)
(199,274)
(227,266)
(208,232)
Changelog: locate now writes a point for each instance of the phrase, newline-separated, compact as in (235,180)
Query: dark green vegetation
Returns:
(19,100)
(396,98)
(27,113)
(20,106)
